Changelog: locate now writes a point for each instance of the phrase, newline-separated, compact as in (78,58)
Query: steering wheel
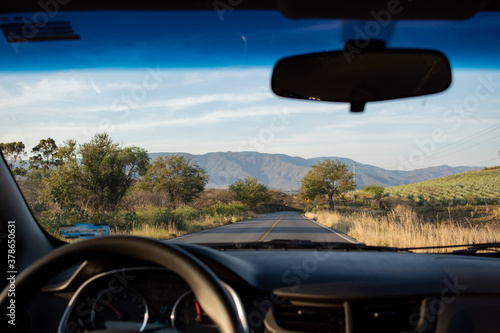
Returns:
(210,293)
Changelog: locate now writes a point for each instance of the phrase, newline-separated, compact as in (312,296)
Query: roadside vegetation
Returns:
(472,187)
(102,182)
(458,209)
(403,226)
(328,178)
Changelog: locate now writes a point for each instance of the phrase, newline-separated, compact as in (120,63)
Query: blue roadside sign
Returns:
(85,230)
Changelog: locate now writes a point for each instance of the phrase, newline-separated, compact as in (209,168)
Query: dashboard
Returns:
(139,299)
(281,291)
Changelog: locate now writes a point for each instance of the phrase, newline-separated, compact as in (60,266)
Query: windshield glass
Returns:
(163,124)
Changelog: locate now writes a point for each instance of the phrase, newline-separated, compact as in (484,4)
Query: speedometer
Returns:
(188,316)
(120,309)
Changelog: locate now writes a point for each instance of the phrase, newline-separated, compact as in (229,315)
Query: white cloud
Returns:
(43,91)
(227,115)
(195,110)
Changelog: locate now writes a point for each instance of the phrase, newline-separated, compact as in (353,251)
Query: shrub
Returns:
(211,197)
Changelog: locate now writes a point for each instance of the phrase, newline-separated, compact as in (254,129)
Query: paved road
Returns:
(279,225)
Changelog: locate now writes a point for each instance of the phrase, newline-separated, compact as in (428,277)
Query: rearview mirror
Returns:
(369,76)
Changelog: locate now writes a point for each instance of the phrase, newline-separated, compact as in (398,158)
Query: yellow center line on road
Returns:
(264,236)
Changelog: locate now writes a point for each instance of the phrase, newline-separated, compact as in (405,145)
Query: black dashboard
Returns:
(140,299)
(283,291)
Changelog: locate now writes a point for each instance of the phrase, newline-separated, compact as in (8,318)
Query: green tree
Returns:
(61,188)
(42,163)
(180,178)
(14,152)
(107,171)
(95,175)
(328,178)
(377,191)
(249,192)
(44,156)
(68,152)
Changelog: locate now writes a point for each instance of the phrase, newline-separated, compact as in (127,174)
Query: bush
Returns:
(227,209)
(211,197)
(375,190)
(185,213)
(139,198)
(166,217)
(160,217)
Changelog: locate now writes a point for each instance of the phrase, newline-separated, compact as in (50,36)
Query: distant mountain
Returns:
(284,172)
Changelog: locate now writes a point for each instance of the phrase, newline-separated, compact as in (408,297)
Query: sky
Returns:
(154,100)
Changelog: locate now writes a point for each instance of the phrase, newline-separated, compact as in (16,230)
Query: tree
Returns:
(62,186)
(14,152)
(328,177)
(96,174)
(107,171)
(180,178)
(44,155)
(376,191)
(249,192)
(42,163)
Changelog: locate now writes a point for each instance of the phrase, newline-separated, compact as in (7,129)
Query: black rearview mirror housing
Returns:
(374,74)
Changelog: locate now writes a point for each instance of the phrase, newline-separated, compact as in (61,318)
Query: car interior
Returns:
(122,283)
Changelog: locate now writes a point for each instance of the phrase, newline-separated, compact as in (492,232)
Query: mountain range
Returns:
(284,172)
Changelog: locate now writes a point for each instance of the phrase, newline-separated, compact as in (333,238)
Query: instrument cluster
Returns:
(139,299)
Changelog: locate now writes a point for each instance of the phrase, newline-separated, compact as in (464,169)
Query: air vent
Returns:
(26,31)
(317,319)
(386,315)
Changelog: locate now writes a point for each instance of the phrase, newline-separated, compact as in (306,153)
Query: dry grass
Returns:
(157,232)
(403,227)
(203,222)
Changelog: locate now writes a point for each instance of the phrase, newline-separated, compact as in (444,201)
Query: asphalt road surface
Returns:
(278,225)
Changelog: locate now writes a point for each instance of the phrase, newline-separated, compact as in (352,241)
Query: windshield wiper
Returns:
(464,248)
(293,244)
(471,249)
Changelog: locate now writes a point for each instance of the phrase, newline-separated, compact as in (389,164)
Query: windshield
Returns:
(164,124)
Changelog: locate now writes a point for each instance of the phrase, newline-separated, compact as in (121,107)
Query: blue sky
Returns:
(207,110)
(153,99)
